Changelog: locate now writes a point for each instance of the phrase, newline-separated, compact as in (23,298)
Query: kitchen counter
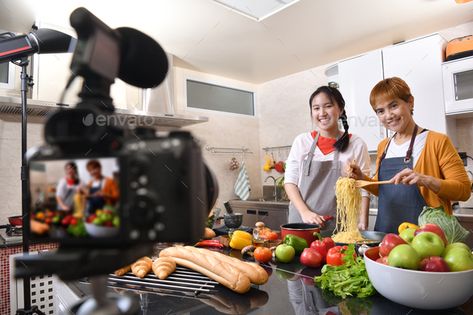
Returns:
(290,290)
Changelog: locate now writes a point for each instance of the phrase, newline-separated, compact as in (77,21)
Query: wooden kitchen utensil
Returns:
(363,183)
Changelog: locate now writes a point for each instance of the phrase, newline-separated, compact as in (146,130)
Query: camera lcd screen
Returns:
(74,198)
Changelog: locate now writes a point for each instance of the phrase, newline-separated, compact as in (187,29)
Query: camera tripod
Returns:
(102,303)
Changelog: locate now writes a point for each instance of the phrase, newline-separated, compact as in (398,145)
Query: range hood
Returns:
(12,106)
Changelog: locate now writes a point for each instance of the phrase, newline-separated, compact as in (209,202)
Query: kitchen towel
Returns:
(242,184)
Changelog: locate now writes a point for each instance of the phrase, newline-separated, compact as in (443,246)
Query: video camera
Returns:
(104,192)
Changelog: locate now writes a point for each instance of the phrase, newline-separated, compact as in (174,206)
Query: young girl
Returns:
(316,160)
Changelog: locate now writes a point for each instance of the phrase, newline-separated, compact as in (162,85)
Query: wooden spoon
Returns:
(363,183)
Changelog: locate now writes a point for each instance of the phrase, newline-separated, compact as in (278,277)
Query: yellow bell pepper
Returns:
(406,225)
(240,239)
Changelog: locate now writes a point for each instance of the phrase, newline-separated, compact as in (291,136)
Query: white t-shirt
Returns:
(399,150)
(357,150)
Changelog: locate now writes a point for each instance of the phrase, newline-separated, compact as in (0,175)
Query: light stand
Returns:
(26,82)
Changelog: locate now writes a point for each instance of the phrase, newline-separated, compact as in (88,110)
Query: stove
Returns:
(11,234)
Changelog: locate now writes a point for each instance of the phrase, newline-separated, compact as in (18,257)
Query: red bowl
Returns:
(303,230)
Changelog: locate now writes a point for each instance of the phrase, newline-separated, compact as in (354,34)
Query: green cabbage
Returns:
(449,223)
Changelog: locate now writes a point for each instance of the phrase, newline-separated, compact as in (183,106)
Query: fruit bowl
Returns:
(419,289)
(99,230)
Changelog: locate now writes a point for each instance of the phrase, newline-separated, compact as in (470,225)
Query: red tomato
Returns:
(335,255)
(262,254)
(311,258)
(272,236)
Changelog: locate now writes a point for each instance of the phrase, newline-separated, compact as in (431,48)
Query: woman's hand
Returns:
(409,177)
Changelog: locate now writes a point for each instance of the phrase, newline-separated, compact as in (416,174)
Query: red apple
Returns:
(431,227)
(383,260)
(434,264)
(389,241)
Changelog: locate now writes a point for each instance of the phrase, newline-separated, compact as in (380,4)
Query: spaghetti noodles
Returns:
(348,210)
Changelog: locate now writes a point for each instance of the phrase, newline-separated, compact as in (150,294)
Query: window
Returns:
(219,98)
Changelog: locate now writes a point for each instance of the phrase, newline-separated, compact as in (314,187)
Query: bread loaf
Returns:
(123,270)
(210,266)
(163,267)
(254,271)
(141,267)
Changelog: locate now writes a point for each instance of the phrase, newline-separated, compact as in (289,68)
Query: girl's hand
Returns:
(312,218)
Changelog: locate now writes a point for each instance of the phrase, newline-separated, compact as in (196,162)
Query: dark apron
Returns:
(397,203)
(317,188)
(95,202)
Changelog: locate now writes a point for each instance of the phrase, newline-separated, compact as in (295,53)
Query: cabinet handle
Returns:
(251,212)
(263,213)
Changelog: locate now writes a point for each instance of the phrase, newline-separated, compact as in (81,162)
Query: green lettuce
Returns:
(349,279)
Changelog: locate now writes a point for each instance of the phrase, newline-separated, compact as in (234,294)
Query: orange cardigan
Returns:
(110,190)
(439,159)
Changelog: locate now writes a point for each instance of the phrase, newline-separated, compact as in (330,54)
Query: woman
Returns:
(67,188)
(423,165)
(315,162)
(101,190)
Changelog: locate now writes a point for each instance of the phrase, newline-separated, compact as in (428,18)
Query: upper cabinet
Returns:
(418,62)
(357,77)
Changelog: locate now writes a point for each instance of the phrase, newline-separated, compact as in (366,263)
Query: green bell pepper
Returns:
(298,243)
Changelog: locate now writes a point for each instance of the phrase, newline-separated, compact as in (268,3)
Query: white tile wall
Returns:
(10,162)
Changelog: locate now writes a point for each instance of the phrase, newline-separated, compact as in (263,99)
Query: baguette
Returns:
(163,267)
(210,266)
(254,271)
(120,272)
(141,267)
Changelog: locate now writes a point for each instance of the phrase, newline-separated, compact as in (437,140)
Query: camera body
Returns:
(110,186)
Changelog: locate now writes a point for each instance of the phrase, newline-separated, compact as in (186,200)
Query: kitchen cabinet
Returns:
(418,62)
(52,72)
(357,76)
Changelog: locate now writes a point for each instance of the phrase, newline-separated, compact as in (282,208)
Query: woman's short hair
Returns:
(93,164)
(390,88)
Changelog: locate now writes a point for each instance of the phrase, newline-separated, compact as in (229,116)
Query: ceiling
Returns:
(207,37)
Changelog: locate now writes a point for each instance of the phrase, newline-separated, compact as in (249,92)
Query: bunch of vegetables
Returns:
(347,279)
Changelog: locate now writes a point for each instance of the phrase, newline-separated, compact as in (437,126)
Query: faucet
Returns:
(275,192)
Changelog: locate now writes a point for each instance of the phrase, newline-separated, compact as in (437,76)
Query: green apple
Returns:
(455,245)
(404,256)
(428,244)
(459,259)
(285,253)
(407,234)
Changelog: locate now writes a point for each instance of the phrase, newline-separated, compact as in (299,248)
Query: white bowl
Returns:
(100,231)
(419,289)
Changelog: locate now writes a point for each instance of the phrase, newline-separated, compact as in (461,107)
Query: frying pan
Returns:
(16,220)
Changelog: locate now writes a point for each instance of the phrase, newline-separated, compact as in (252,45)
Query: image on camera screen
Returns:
(76,198)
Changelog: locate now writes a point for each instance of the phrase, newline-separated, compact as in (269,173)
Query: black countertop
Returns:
(290,290)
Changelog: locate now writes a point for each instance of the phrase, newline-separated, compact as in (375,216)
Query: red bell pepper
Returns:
(209,243)
(322,245)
